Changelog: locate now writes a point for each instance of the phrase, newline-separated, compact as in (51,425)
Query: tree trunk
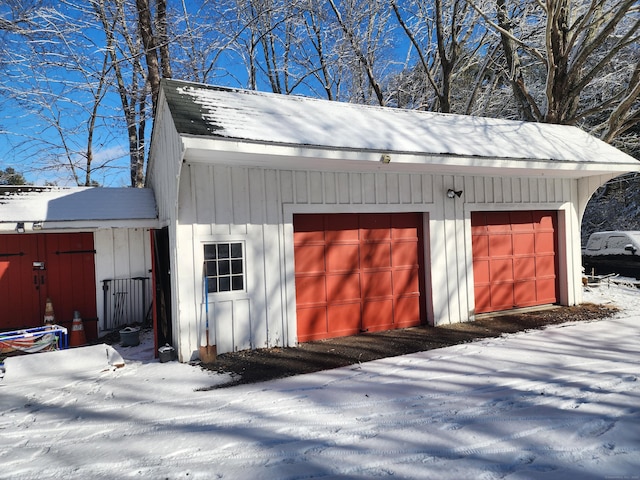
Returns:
(559,98)
(526,105)
(163,38)
(150,48)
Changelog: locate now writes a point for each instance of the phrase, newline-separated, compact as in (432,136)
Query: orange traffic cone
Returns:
(78,337)
(49,316)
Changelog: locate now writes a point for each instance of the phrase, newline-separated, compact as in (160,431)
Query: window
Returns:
(224,267)
(617,241)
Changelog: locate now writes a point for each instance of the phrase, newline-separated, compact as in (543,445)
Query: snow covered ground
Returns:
(561,403)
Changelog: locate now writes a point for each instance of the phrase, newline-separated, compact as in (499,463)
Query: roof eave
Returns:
(302,157)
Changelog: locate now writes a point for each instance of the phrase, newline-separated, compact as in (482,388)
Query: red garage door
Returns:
(357,272)
(36,266)
(514,259)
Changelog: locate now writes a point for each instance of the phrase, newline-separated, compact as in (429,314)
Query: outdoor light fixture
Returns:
(451,193)
(20,227)
(385,158)
(37,225)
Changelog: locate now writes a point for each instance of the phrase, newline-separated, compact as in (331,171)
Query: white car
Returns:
(612,252)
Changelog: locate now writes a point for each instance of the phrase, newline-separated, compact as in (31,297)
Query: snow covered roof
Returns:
(279,120)
(88,207)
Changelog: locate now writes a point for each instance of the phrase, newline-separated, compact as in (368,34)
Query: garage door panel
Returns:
(514,259)
(409,233)
(312,323)
(524,244)
(376,284)
(500,245)
(545,242)
(309,258)
(482,297)
(525,268)
(480,245)
(343,287)
(310,289)
(546,290)
(481,271)
(342,258)
(377,314)
(406,281)
(404,254)
(375,255)
(525,293)
(502,295)
(407,311)
(545,265)
(344,319)
(501,270)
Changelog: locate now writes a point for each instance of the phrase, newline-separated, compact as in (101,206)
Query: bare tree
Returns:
(50,81)
(362,24)
(446,39)
(86,75)
(321,61)
(562,55)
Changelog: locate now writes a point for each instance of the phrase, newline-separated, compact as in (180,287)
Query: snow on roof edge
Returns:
(60,204)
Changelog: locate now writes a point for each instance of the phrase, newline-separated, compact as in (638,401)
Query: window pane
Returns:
(223,250)
(209,252)
(236,250)
(213,285)
(236,266)
(237,282)
(225,284)
(212,271)
(224,267)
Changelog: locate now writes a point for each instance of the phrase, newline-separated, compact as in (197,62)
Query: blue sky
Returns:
(33,141)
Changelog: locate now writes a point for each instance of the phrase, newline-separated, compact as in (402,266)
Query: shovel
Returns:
(208,352)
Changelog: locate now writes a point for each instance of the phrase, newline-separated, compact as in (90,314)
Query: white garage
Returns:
(289,219)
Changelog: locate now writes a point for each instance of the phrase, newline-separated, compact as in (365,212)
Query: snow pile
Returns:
(86,361)
(557,403)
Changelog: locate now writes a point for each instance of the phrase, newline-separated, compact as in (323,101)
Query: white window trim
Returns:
(229,293)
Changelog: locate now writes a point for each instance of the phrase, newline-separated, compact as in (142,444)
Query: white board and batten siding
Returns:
(255,206)
(121,253)
(162,174)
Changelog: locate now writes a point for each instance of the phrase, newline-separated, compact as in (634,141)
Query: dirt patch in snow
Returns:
(252,366)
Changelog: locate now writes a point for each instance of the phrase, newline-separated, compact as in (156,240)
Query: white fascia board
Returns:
(233,152)
(93,224)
